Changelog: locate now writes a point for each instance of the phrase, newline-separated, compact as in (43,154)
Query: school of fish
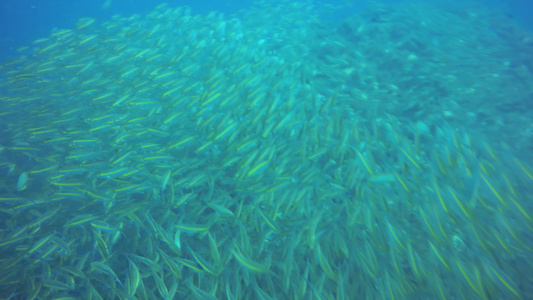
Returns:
(181,156)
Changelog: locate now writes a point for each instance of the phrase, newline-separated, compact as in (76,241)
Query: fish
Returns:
(105,269)
(180,154)
(22,181)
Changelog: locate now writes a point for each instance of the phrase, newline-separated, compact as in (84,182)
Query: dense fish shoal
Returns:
(271,154)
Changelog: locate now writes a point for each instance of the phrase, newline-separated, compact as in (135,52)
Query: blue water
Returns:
(21,22)
(24,21)
(289,150)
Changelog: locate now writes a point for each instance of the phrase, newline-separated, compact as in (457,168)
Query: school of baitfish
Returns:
(179,156)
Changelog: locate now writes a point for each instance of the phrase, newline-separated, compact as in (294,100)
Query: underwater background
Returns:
(266,149)
(21,22)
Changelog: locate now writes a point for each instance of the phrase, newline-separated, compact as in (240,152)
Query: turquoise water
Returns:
(278,152)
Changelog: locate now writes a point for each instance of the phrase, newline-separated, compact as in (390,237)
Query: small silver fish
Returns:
(22,182)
